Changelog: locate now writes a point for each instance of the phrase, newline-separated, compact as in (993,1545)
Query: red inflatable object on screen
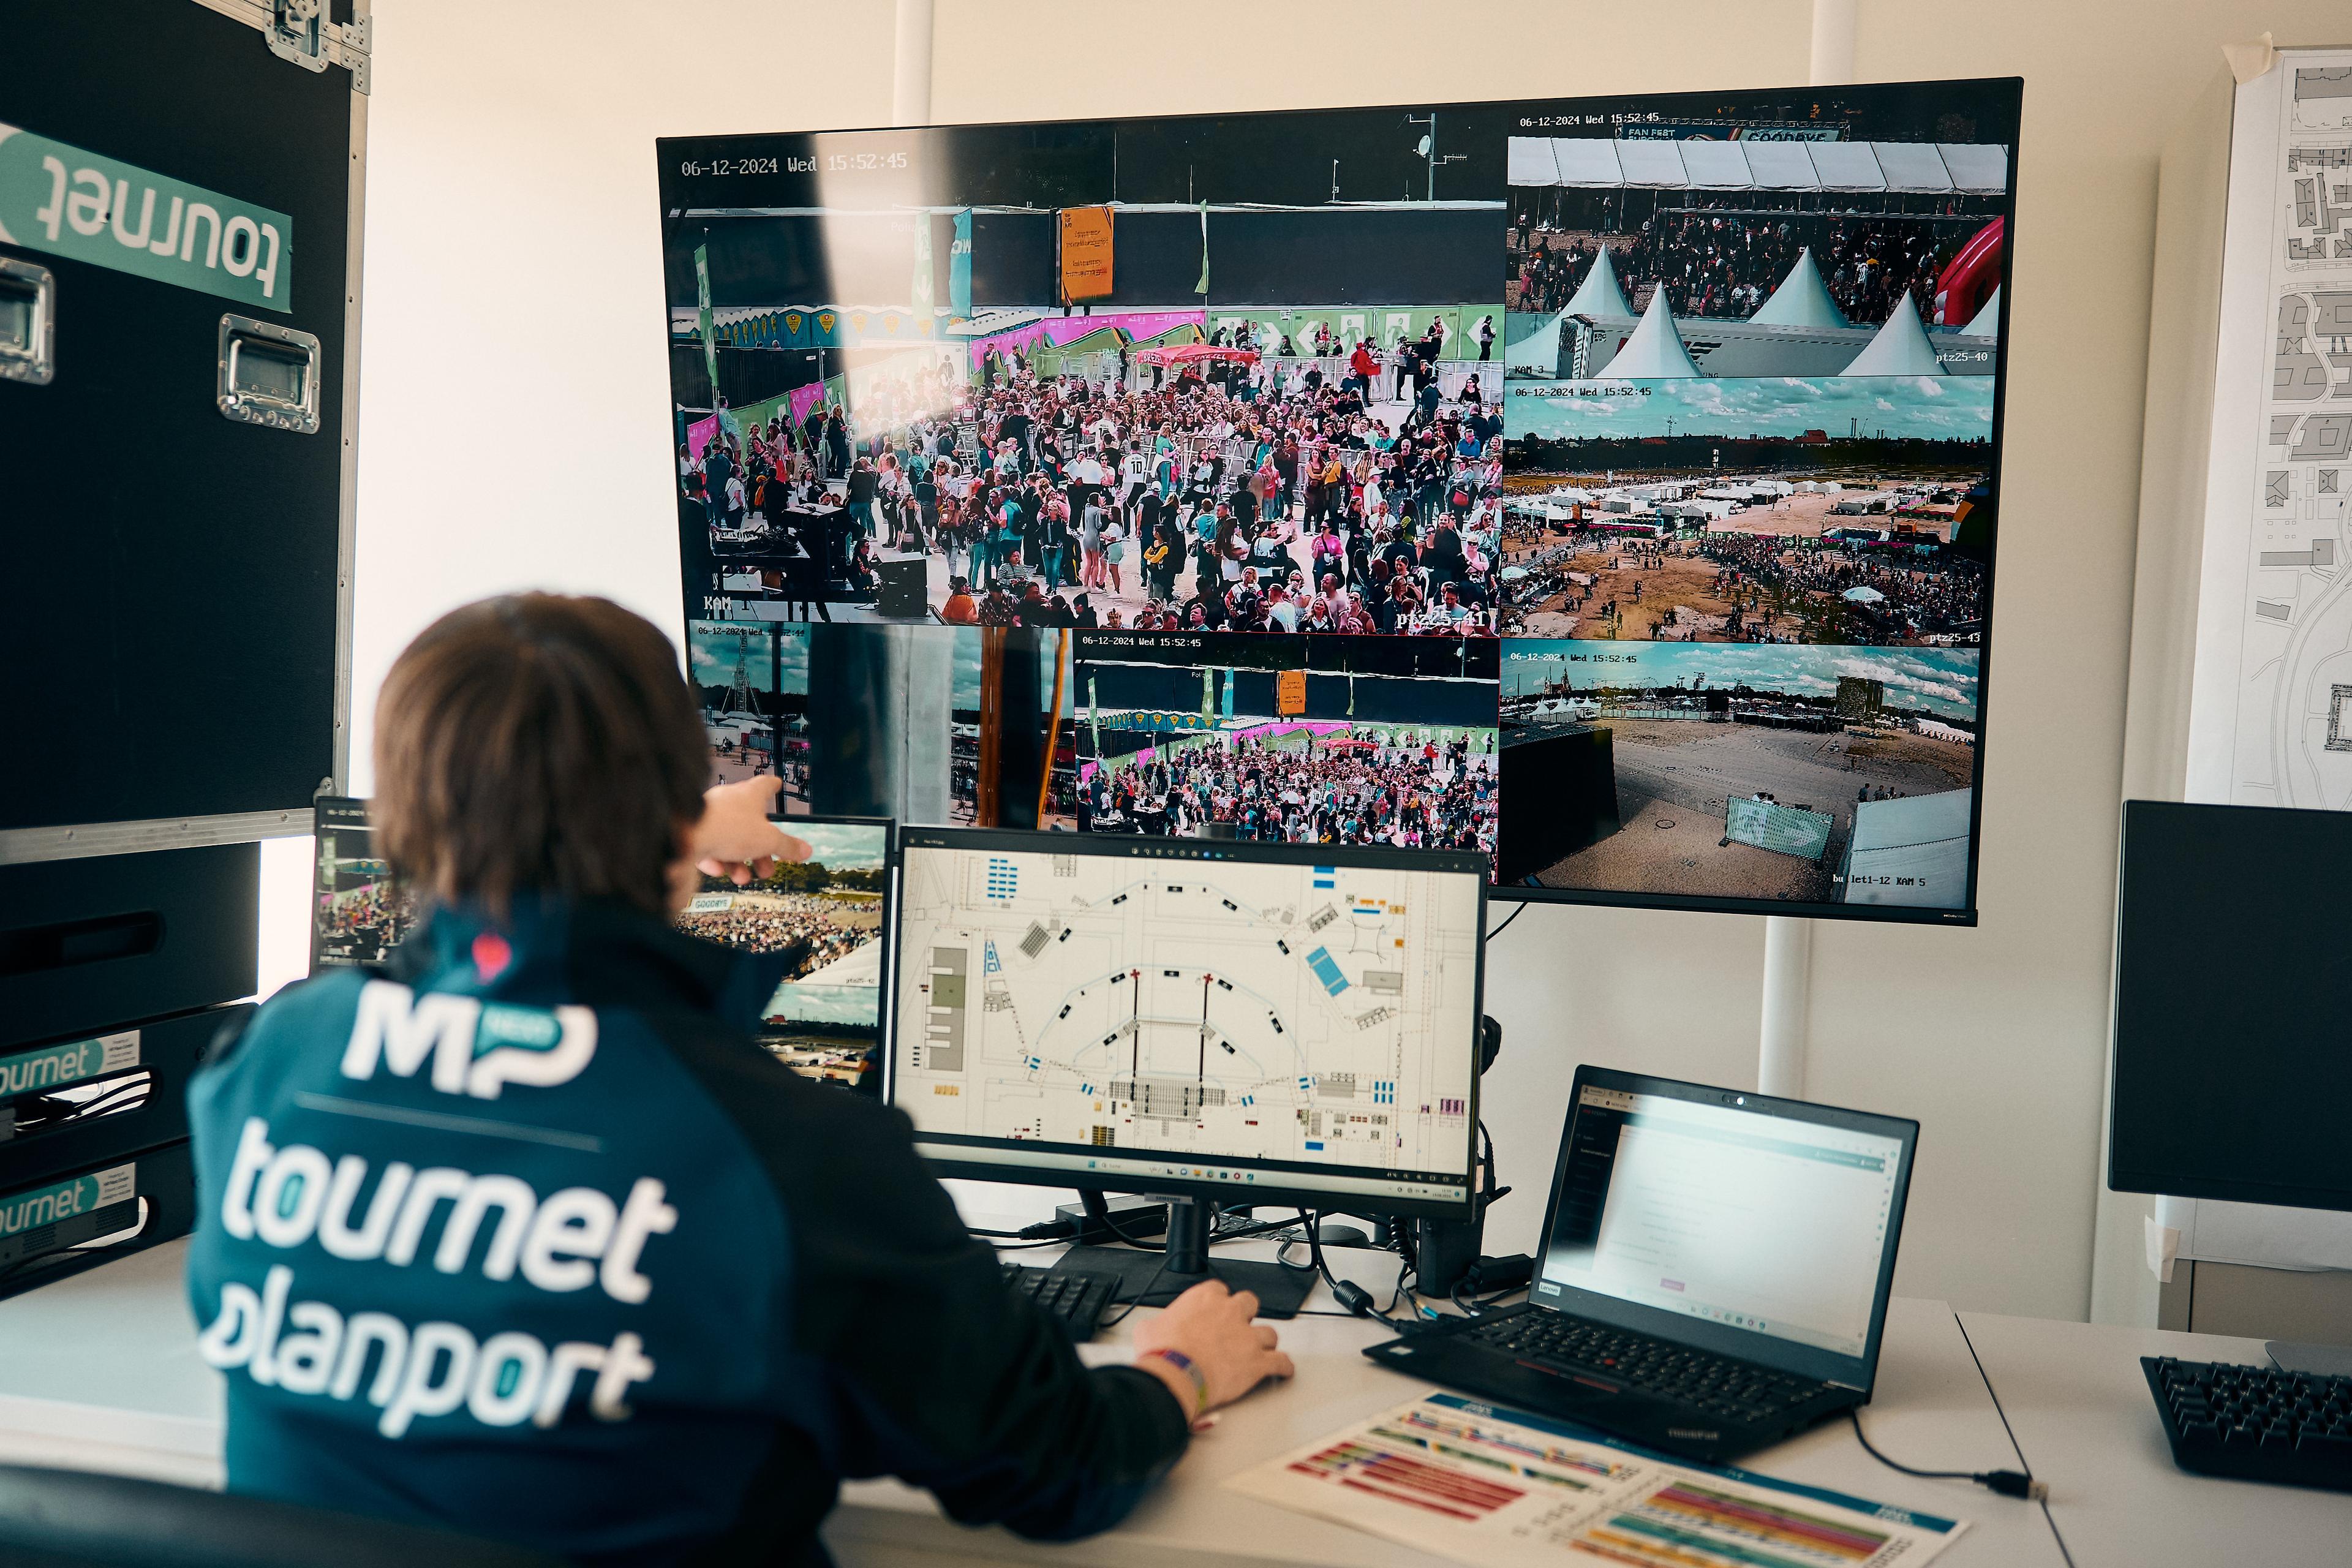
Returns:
(1970,278)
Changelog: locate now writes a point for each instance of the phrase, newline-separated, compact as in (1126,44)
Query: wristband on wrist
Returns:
(1184,1364)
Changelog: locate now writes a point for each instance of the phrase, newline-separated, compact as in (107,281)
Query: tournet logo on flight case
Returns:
(64,1214)
(79,205)
(50,1067)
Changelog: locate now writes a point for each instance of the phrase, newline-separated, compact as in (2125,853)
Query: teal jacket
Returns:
(523,1235)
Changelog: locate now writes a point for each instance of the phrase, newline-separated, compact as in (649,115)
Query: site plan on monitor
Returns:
(1245,1022)
(1680,414)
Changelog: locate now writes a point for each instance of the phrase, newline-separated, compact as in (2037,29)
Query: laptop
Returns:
(1714,1276)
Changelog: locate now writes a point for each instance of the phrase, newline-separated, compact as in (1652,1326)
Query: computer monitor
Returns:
(1234,1022)
(1760,1227)
(1690,405)
(2232,1075)
(825,1021)
(359,909)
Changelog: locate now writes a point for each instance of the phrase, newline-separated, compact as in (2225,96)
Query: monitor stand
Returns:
(1156,1278)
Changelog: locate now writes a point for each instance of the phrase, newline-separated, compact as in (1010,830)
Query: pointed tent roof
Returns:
(1901,347)
(1538,352)
(1802,299)
(1655,351)
(1599,294)
(1986,322)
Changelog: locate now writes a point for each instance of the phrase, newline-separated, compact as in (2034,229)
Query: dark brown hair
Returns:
(537,743)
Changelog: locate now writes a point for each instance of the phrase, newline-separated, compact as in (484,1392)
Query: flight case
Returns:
(180,218)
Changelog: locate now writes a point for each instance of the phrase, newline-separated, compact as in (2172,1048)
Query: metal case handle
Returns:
(268,376)
(28,322)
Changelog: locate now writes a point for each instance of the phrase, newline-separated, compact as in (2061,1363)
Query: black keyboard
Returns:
(1072,1298)
(1721,1386)
(2255,1423)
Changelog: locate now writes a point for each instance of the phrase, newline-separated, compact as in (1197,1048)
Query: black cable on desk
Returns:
(1346,1292)
(1098,1212)
(1472,1309)
(1097,1209)
(2009,1483)
(1127,1308)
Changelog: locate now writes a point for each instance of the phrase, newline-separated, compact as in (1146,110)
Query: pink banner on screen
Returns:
(1059,329)
(698,435)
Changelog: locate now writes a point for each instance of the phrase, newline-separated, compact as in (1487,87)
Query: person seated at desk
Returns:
(522,1234)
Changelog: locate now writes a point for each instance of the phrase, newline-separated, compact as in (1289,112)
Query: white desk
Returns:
(2074,1395)
(99,1372)
(1932,1411)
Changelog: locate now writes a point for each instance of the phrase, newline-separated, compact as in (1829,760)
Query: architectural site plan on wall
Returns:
(2271,720)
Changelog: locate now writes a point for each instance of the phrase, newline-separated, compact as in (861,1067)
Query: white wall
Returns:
(514,390)
(514,432)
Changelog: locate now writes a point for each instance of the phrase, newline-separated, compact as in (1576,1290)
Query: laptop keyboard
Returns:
(1734,1390)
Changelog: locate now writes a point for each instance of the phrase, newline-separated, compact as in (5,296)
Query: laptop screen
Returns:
(1734,1210)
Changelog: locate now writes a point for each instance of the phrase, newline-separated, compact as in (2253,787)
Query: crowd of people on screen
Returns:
(1913,604)
(1406,788)
(1765,579)
(383,911)
(778,922)
(1234,494)
(1726,265)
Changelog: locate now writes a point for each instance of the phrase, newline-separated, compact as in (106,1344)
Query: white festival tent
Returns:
(1655,351)
(1599,294)
(1802,299)
(1901,347)
(861,966)
(1903,167)
(1538,352)
(1917,841)
(1986,322)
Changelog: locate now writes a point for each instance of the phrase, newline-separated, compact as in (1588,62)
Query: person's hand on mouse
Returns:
(1209,1325)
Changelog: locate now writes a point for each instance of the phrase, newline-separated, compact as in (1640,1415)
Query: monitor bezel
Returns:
(1124,847)
(1860,1371)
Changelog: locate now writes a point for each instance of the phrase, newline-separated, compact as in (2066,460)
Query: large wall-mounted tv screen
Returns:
(1684,410)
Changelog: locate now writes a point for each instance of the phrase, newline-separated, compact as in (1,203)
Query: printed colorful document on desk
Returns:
(1495,1488)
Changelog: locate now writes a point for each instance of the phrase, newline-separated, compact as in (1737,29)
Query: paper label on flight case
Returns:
(26,1072)
(63,1201)
(78,205)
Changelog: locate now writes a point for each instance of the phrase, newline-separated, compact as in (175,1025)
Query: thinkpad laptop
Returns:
(1715,1269)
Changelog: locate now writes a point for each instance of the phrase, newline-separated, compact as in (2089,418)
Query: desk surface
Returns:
(2074,1395)
(1932,1411)
(101,1372)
